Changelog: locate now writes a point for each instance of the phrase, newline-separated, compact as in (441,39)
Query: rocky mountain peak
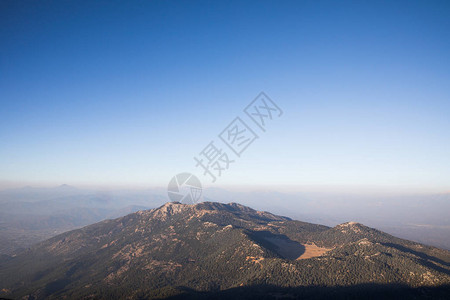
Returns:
(222,244)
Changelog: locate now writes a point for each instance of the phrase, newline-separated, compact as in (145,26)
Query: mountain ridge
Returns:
(214,246)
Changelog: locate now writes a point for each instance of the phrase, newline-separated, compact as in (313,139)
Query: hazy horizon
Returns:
(329,189)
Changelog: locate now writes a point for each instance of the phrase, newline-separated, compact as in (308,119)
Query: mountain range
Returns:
(223,251)
(29,215)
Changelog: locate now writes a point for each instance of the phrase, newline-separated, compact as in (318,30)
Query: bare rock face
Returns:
(169,209)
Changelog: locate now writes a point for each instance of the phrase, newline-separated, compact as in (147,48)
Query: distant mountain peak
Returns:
(351,224)
(65,186)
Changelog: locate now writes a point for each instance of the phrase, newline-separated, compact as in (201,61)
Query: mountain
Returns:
(229,251)
(420,217)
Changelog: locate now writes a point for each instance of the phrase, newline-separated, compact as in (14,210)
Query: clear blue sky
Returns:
(128,93)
